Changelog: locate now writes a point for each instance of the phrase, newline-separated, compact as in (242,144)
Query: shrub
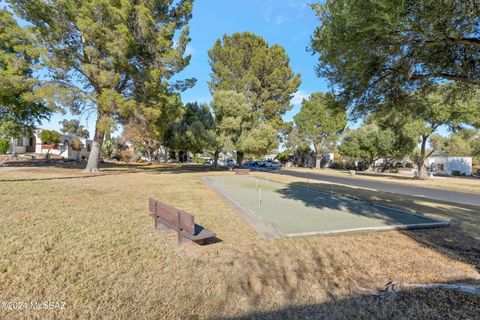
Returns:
(284,156)
(338,165)
(76,145)
(456,173)
(4,145)
(49,137)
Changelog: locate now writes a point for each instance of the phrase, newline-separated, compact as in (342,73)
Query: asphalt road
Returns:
(422,192)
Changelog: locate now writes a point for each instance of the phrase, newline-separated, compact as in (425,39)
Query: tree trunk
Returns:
(318,154)
(149,156)
(422,170)
(215,158)
(240,156)
(94,156)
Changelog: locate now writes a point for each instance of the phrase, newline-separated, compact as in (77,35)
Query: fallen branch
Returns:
(392,288)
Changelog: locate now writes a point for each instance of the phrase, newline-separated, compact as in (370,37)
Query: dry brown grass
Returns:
(463,184)
(90,242)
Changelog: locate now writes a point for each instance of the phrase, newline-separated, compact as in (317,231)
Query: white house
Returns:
(446,165)
(64,149)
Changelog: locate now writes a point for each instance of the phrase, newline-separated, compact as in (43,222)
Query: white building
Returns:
(64,149)
(446,165)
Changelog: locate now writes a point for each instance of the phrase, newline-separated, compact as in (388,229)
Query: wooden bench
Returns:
(241,171)
(170,218)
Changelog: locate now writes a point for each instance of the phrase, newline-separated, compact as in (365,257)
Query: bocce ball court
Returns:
(278,210)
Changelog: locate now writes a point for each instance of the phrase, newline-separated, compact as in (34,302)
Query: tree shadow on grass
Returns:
(409,304)
(350,210)
(461,242)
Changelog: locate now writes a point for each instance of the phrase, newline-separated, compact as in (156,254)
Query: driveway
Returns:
(422,192)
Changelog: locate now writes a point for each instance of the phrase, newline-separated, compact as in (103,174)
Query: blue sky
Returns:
(289,23)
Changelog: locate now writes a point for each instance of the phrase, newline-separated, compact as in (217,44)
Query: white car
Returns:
(272,164)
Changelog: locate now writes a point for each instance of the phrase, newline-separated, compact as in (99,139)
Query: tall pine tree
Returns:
(109,55)
(245,63)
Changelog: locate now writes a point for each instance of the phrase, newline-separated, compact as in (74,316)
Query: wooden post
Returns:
(259,195)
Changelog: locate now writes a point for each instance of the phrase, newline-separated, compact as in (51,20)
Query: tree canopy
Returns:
(74,127)
(458,144)
(246,63)
(147,129)
(422,114)
(194,131)
(49,136)
(370,142)
(110,56)
(320,119)
(376,50)
(20,108)
(237,127)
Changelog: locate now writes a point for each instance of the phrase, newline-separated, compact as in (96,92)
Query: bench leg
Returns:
(182,240)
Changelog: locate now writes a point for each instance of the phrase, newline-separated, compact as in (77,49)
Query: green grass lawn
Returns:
(87,240)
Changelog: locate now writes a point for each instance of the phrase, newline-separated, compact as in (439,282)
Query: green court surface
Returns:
(276,210)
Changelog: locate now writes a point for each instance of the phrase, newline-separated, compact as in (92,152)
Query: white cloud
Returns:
(189,50)
(280,19)
(299,96)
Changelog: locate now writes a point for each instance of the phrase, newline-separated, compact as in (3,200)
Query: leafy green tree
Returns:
(360,144)
(112,56)
(233,118)
(49,137)
(475,147)
(422,114)
(457,144)
(259,141)
(74,127)
(371,142)
(147,129)
(238,129)
(320,120)
(292,138)
(20,108)
(194,131)
(375,50)
(113,148)
(245,63)
(4,145)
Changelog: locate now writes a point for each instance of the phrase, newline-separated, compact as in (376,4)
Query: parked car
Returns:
(275,164)
(271,164)
(251,163)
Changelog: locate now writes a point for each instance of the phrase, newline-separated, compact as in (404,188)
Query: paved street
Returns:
(424,192)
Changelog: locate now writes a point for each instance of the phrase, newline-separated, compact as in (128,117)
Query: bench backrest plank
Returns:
(172,216)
